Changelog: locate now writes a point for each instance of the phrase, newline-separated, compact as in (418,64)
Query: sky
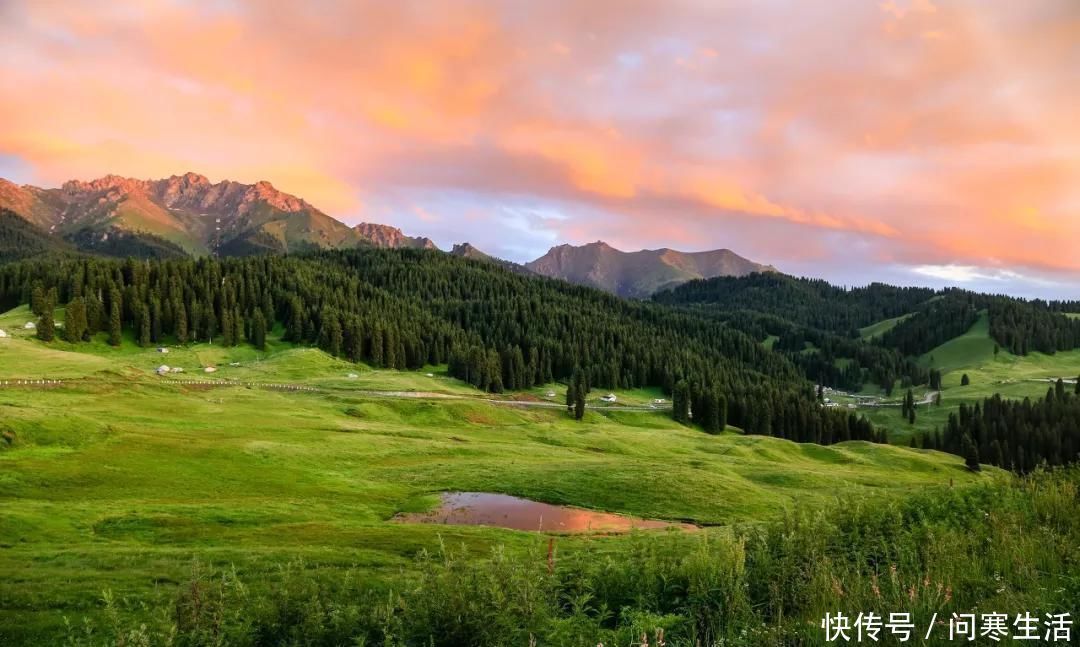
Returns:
(923,142)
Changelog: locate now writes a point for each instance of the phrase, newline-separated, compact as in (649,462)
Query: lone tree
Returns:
(1077,389)
(581,389)
(680,401)
(965,380)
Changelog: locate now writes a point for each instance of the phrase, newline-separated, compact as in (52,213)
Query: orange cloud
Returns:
(938,131)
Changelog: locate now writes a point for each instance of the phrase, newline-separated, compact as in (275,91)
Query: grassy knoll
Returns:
(880,328)
(117,479)
(970,349)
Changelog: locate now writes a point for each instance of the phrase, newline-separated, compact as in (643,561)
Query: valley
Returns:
(117,481)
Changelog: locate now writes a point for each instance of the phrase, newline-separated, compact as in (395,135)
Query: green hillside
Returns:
(880,328)
(117,478)
(970,349)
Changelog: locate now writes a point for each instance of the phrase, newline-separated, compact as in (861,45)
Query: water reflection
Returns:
(504,511)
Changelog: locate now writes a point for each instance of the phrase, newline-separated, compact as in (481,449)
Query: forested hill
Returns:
(803,309)
(407,308)
(807,302)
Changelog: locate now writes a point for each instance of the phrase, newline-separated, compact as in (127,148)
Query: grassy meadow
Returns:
(121,490)
(117,479)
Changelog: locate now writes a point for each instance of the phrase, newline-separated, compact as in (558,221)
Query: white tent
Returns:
(30,325)
(162,370)
(209,369)
(3,333)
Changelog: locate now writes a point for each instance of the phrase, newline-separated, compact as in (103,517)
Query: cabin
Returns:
(162,370)
(30,325)
(610,397)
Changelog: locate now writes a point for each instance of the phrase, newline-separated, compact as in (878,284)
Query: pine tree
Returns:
(37,300)
(581,389)
(46,328)
(680,401)
(911,415)
(571,396)
(971,453)
(965,380)
(115,334)
(144,327)
(1077,389)
(75,320)
(258,330)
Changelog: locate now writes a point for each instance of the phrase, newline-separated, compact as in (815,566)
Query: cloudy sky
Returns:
(912,141)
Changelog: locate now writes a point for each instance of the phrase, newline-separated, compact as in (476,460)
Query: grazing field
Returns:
(116,479)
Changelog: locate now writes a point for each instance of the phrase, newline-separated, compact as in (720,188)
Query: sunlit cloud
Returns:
(849,134)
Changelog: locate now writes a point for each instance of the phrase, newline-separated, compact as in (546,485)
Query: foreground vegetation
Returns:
(1006,547)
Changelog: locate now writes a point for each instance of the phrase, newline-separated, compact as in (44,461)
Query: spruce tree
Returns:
(46,328)
(114,322)
(680,401)
(965,380)
(581,389)
(258,330)
(75,320)
(971,453)
(144,327)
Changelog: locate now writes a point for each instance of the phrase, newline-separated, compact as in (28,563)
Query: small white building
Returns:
(210,369)
(610,397)
(30,325)
(162,370)
(429,375)
(550,394)
(162,349)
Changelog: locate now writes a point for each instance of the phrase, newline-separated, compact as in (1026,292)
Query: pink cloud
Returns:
(931,133)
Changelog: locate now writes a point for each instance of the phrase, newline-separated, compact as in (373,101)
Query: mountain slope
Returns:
(21,239)
(638,274)
(389,237)
(191,213)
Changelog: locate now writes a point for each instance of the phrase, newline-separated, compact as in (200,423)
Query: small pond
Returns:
(505,511)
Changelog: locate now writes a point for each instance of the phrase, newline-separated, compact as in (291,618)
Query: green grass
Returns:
(117,479)
(880,328)
(970,349)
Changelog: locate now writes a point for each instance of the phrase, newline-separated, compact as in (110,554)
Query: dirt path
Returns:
(285,386)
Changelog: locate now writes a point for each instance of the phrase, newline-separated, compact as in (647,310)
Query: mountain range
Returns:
(639,274)
(190,215)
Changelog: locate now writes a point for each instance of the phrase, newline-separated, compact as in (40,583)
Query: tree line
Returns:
(405,309)
(1018,435)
